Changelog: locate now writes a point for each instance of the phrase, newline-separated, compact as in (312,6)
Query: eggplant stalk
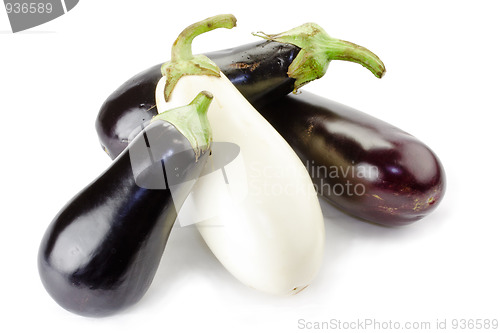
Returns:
(183,62)
(318,49)
(192,122)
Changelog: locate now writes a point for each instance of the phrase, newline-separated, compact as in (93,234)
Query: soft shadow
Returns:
(345,233)
(186,254)
(26,32)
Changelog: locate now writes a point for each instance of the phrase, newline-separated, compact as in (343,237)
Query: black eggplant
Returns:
(361,164)
(100,253)
(261,71)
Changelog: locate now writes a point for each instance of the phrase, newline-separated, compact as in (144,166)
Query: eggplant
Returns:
(261,71)
(361,164)
(262,219)
(100,253)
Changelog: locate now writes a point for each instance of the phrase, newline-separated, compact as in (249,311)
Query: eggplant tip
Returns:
(297,290)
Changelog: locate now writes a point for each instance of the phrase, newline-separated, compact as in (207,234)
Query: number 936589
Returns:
(475,324)
(28,8)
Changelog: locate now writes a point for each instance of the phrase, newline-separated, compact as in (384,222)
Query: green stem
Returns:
(318,49)
(181,50)
(192,121)
(183,62)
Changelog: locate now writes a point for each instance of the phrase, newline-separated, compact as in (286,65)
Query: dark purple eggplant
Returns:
(100,253)
(365,166)
(262,71)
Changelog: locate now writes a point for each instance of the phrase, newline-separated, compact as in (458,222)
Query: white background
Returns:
(441,85)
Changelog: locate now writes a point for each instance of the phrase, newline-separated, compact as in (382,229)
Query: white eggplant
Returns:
(261,217)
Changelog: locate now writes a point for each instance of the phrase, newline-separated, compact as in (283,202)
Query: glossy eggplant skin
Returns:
(258,70)
(366,167)
(100,253)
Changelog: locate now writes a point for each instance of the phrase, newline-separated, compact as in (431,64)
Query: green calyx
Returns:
(318,49)
(183,62)
(192,122)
